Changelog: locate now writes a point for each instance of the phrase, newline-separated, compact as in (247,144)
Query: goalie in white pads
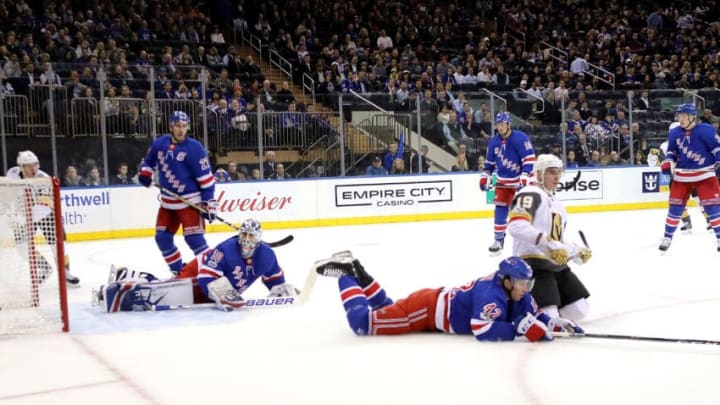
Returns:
(28,167)
(537,225)
(220,276)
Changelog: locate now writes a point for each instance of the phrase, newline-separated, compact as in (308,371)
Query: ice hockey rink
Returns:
(308,355)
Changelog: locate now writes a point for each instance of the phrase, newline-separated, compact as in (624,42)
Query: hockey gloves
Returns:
(283,290)
(525,180)
(210,207)
(225,296)
(484,178)
(584,254)
(565,325)
(555,250)
(666,167)
(532,328)
(145,176)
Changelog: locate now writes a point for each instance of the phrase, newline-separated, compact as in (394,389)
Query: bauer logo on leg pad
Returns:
(266,302)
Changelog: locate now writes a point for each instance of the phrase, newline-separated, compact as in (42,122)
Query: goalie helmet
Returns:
(249,237)
(27,157)
(544,162)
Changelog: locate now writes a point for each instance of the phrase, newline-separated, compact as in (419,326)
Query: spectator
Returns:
(280,173)
(121,177)
(93,178)
(461,163)
(424,161)
(255,174)
(285,95)
(72,179)
(594,159)
(571,162)
(217,36)
(233,172)
(615,160)
(398,166)
(376,168)
(269,163)
(390,156)
(222,176)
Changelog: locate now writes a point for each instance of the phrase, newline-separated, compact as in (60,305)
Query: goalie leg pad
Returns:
(135,295)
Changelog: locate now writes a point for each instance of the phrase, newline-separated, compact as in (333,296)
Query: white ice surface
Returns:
(308,355)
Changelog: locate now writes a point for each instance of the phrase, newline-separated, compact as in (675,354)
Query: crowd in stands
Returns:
(438,55)
(435,54)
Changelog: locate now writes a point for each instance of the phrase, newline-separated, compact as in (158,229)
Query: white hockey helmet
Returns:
(545,161)
(249,237)
(27,157)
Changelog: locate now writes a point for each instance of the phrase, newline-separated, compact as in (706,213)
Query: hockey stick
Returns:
(639,338)
(255,303)
(201,209)
(282,242)
(582,238)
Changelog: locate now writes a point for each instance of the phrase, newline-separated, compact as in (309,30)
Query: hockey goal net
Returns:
(33,294)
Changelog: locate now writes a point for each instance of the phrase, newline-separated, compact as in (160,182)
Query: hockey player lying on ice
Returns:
(495,307)
(220,275)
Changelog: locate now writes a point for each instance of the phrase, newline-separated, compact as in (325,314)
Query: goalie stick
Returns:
(282,242)
(255,303)
(633,337)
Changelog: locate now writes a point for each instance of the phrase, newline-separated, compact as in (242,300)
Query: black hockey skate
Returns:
(686,224)
(339,264)
(496,247)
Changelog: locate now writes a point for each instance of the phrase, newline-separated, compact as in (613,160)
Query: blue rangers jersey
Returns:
(694,152)
(511,157)
(484,309)
(226,260)
(183,168)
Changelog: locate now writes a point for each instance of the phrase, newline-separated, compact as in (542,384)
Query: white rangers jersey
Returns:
(537,214)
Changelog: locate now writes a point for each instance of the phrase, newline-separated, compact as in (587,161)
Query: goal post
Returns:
(33,293)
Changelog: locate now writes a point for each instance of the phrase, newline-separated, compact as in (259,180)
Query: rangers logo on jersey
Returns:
(490,312)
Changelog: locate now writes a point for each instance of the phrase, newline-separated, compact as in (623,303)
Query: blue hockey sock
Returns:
(170,252)
(356,305)
(196,242)
(501,214)
(376,295)
(673,219)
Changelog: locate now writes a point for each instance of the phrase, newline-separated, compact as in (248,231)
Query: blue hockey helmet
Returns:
(687,108)
(502,117)
(179,116)
(250,236)
(516,269)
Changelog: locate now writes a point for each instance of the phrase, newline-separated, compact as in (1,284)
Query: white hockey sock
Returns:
(575,311)
(551,311)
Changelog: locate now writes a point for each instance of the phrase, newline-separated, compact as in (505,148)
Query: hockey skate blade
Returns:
(496,253)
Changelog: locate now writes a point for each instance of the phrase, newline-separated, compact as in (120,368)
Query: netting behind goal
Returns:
(32,275)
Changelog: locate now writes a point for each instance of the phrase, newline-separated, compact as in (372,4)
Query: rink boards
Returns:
(127,211)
